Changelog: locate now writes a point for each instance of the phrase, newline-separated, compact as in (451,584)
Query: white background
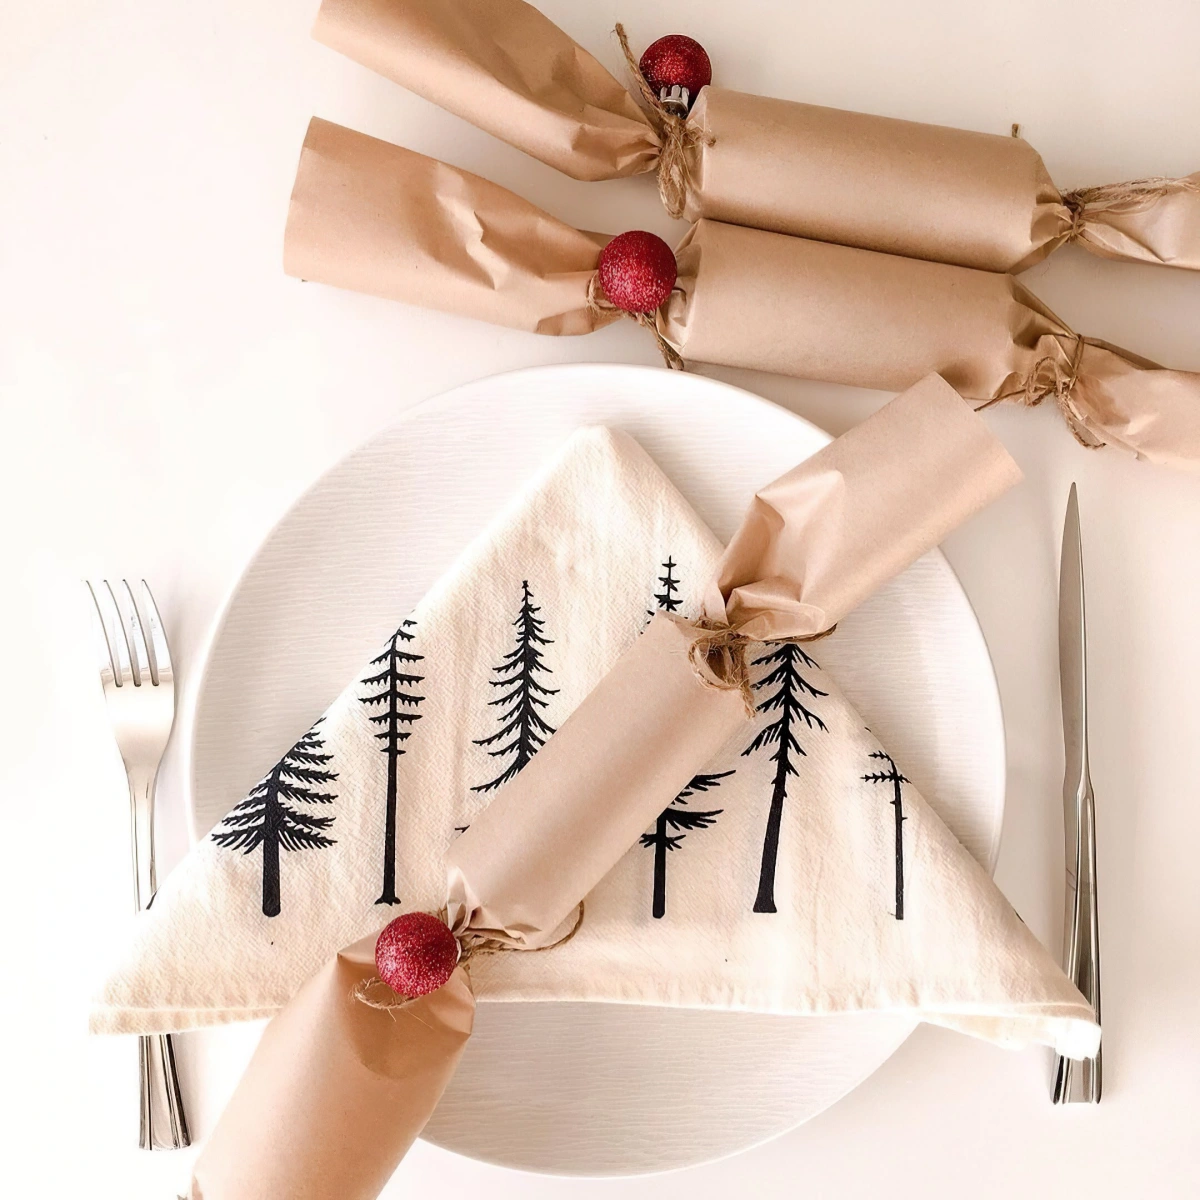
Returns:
(167,392)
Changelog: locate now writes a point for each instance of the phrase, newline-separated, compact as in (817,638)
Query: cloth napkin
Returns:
(801,872)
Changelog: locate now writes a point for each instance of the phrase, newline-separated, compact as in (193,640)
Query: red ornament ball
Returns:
(676,59)
(415,954)
(637,271)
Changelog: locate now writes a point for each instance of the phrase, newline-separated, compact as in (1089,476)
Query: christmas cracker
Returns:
(927,191)
(377,218)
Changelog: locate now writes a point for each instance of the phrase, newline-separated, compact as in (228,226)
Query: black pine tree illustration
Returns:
(788,702)
(675,816)
(892,775)
(397,713)
(667,599)
(523,698)
(683,820)
(268,818)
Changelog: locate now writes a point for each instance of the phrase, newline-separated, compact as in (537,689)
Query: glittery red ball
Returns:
(415,954)
(676,59)
(637,271)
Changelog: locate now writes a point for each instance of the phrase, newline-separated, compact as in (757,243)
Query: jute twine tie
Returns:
(679,138)
(718,657)
(600,305)
(1133,196)
(1049,378)
(374,993)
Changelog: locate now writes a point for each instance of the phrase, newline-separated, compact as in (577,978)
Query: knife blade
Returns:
(1077,1082)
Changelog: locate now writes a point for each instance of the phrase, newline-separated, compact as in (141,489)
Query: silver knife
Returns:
(1077,1081)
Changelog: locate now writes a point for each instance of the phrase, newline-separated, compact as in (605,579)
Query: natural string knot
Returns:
(718,657)
(600,305)
(679,139)
(1132,196)
(1075,207)
(1049,378)
(374,993)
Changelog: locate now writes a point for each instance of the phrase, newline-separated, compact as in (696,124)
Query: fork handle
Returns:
(160,1096)
(163,1124)
(1080,1082)
(141,837)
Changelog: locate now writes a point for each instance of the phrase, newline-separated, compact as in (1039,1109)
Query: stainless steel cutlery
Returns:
(139,687)
(1077,1082)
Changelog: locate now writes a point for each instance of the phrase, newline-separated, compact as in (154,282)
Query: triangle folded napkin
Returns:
(527,739)
(797,872)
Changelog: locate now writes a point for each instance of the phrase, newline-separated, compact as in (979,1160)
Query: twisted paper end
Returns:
(600,305)
(374,993)
(718,657)
(1131,196)
(679,138)
(1049,378)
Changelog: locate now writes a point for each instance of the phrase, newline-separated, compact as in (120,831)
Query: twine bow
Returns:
(1132,196)
(374,993)
(679,138)
(718,657)
(1048,378)
(599,304)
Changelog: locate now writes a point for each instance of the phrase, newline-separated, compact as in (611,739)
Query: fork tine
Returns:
(108,666)
(119,641)
(137,640)
(160,653)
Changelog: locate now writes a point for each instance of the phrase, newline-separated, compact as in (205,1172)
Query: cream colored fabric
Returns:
(599,541)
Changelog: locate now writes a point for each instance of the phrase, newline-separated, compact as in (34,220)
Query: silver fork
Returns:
(139,688)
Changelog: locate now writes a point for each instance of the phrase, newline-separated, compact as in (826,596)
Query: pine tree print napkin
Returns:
(801,872)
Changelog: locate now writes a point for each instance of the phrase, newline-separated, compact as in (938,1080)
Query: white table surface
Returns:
(167,392)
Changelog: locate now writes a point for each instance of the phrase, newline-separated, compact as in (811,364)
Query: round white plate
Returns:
(592,1088)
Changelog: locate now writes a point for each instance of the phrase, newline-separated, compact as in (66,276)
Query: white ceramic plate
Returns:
(592,1088)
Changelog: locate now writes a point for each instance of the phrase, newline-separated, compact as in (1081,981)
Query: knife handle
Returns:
(1079,1082)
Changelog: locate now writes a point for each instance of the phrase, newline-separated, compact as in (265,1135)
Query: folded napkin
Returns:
(799,873)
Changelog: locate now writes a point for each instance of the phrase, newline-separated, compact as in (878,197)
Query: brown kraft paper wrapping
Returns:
(380,219)
(337,1091)
(433,235)
(927,191)
(506,68)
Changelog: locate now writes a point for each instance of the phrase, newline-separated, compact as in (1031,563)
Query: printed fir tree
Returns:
(787,704)
(668,599)
(892,776)
(397,711)
(269,819)
(682,820)
(677,816)
(523,730)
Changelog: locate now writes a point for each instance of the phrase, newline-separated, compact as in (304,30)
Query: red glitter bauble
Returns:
(637,271)
(415,954)
(676,59)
